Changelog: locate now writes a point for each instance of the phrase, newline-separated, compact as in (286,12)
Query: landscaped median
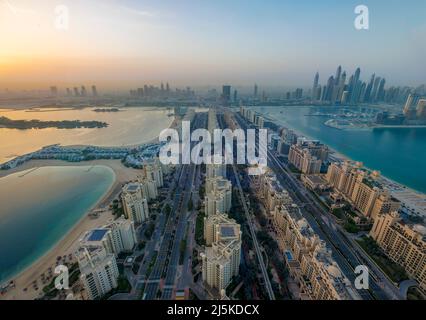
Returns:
(394,271)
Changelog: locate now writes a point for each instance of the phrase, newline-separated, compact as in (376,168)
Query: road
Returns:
(259,255)
(345,255)
(167,262)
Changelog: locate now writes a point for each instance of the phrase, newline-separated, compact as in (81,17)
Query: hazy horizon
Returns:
(124,44)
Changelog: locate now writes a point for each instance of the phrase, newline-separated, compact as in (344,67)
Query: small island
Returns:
(38,124)
(107,110)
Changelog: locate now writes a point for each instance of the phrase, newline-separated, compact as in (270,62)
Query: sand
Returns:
(68,243)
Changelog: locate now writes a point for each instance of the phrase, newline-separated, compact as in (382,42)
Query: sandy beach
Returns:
(68,243)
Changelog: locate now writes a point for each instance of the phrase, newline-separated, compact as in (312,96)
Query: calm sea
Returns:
(38,207)
(399,153)
(130,126)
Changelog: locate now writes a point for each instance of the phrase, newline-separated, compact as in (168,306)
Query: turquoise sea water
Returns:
(38,207)
(399,153)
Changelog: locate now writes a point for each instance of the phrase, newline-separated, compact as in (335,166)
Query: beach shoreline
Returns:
(342,157)
(67,244)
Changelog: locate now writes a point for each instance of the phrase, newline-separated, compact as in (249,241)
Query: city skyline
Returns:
(238,151)
(277,44)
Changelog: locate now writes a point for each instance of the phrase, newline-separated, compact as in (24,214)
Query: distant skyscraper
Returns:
(421,109)
(362,90)
(375,89)
(315,87)
(329,90)
(255,90)
(235,95)
(409,112)
(83,91)
(356,87)
(54,91)
(167,87)
(381,91)
(341,86)
(94,91)
(369,89)
(338,74)
(226,94)
(76,92)
(336,87)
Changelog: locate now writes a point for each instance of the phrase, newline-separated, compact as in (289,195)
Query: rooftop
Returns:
(132,187)
(97,234)
(227,231)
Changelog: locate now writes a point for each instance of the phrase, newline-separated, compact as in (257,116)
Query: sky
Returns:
(120,44)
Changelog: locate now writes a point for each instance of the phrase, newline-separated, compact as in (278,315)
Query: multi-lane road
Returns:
(250,224)
(347,256)
(167,261)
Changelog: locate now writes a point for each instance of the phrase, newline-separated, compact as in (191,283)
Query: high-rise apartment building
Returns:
(134,203)
(94,91)
(308,156)
(403,243)
(308,259)
(226,94)
(115,237)
(218,201)
(99,272)
(216,224)
(216,170)
(153,171)
(361,189)
(421,109)
(221,260)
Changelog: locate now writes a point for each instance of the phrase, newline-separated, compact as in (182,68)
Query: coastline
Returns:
(68,242)
(342,157)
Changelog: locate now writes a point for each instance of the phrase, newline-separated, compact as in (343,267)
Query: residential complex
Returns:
(134,203)
(403,243)
(216,170)
(116,237)
(308,156)
(99,272)
(215,224)
(253,117)
(309,260)
(153,171)
(222,256)
(218,195)
(360,188)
